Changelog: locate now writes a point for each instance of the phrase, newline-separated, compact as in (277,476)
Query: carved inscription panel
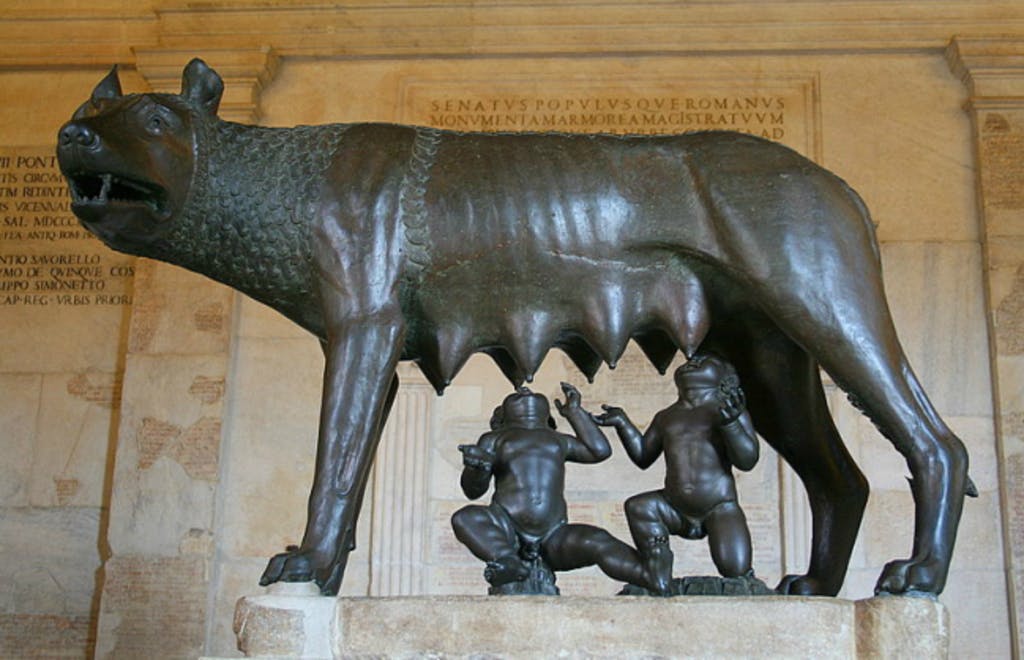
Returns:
(47,257)
(780,108)
(57,281)
(760,115)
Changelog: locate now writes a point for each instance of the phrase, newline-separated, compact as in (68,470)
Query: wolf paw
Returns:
(803,585)
(298,565)
(916,575)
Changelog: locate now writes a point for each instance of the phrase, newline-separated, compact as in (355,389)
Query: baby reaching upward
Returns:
(526,518)
(703,436)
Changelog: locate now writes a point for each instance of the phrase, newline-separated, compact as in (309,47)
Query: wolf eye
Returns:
(155,124)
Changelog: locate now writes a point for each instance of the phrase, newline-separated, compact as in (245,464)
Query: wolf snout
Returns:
(76,134)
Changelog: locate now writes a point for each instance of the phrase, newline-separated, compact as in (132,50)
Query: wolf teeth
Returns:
(108,180)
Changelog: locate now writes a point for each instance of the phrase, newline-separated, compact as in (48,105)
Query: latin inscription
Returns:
(762,115)
(46,258)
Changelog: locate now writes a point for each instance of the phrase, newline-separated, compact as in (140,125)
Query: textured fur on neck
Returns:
(247,220)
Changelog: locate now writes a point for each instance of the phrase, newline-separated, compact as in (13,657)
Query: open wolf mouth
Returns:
(111,190)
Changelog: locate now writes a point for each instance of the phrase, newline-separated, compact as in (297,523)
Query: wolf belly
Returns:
(516,309)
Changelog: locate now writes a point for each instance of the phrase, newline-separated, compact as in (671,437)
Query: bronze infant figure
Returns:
(524,534)
(394,242)
(703,435)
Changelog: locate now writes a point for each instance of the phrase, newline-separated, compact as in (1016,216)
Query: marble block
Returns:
(582,627)
(291,620)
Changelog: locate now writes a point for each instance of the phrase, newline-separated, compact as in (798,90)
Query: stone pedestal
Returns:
(281,625)
(290,621)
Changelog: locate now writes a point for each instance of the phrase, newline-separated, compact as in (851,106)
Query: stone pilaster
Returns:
(993,71)
(159,571)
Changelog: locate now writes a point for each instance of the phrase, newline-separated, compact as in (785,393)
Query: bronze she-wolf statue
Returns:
(397,243)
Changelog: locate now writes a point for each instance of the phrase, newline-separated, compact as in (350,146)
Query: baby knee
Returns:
(639,507)
(466,517)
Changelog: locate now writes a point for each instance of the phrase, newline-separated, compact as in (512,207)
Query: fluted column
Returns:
(401,506)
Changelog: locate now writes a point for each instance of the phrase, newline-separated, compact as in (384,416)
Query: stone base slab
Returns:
(306,626)
(289,621)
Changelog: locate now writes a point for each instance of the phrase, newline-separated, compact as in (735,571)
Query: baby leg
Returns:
(575,546)
(491,538)
(729,539)
(651,521)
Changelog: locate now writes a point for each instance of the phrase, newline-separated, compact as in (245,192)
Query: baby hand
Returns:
(734,402)
(475,456)
(572,400)
(612,416)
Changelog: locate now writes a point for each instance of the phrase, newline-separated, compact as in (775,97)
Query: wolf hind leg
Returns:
(847,328)
(938,464)
(787,403)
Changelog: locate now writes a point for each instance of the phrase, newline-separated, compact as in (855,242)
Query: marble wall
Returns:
(61,366)
(157,451)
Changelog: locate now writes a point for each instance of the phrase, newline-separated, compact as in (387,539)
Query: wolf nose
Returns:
(74,133)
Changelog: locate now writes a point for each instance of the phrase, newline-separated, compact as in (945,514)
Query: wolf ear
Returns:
(108,88)
(202,86)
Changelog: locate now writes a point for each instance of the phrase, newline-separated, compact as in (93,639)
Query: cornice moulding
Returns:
(387,28)
(507,28)
(73,42)
(992,68)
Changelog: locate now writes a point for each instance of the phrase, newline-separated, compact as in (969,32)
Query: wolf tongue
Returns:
(105,190)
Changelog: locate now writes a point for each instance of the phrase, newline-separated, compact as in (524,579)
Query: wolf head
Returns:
(130,159)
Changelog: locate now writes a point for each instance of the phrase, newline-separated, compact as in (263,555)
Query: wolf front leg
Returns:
(359,382)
